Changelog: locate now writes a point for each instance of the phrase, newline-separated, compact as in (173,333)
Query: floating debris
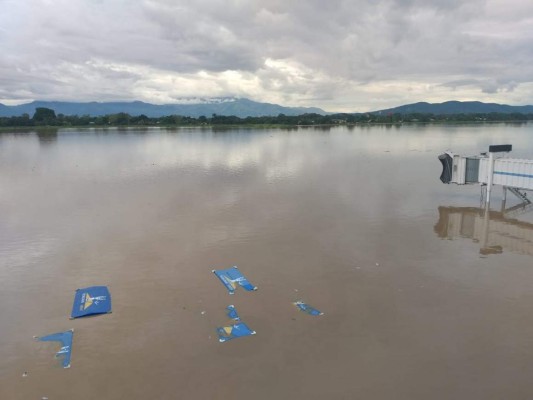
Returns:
(232,277)
(232,313)
(65,338)
(90,301)
(237,330)
(307,308)
(25,374)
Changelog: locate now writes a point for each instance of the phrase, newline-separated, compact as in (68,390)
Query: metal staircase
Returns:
(525,205)
(519,194)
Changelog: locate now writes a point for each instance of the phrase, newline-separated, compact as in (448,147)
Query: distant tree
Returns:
(84,120)
(23,120)
(44,116)
(169,120)
(119,119)
(102,120)
(140,120)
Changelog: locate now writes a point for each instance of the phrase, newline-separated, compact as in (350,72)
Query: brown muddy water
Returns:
(353,221)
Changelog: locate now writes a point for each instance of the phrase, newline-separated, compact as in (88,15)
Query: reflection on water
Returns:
(341,218)
(495,231)
(47,136)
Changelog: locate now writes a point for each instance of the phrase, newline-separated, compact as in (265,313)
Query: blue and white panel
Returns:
(513,172)
(232,277)
(306,308)
(65,339)
(240,329)
(90,301)
(231,312)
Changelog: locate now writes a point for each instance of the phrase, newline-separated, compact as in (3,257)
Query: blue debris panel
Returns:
(90,301)
(65,338)
(306,308)
(231,312)
(232,277)
(237,330)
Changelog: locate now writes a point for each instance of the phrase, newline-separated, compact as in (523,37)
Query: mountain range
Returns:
(456,107)
(194,107)
(241,107)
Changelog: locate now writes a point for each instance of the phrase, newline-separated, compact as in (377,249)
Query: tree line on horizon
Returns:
(47,117)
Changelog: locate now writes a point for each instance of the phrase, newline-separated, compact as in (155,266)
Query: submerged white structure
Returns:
(492,168)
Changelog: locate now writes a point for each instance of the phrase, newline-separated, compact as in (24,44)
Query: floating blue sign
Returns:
(232,313)
(232,277)
(307,308)
(90,301)
(65,338)
(237,330)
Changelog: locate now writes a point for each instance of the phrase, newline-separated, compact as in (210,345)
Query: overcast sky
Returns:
(350,55)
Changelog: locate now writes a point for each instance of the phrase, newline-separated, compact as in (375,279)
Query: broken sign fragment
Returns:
(239,329)
(232,313)
(307,308)
(232,277)
(65,338)
(90,301)
(236,330)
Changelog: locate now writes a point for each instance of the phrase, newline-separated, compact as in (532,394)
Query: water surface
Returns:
(352,221)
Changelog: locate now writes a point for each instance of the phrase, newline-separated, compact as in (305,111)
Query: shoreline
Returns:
(51,129)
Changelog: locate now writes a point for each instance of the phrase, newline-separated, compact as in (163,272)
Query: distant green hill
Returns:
(242,108)
(221,106)
(456,107)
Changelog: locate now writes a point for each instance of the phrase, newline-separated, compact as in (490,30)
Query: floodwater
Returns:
(353,221)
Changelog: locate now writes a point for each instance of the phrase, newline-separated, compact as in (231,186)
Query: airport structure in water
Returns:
(493,230)
(488,169)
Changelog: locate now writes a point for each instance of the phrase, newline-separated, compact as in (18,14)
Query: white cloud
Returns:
(340,55)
